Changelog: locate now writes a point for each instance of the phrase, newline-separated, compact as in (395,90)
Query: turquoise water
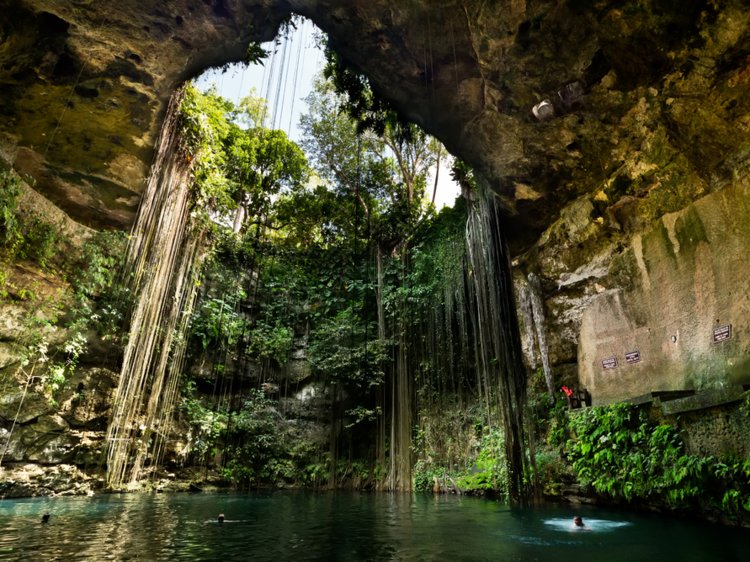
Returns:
(343,526)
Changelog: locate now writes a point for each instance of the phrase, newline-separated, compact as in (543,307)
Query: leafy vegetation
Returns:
(345,350)
(217,322)
(271,342)
(10,189)
(489,470)
(460,452)
(256,446)
(369,111)
(298,264)
(34,251)
(621,455)
(25,236)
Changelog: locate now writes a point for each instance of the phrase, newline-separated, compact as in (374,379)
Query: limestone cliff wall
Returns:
(682,284)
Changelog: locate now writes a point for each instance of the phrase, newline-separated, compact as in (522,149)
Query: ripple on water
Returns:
(598,525)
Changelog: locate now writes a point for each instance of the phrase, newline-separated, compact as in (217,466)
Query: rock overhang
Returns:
(85,86)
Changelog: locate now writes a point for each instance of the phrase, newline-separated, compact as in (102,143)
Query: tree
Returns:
(328,258)
(260,162)
(387,176)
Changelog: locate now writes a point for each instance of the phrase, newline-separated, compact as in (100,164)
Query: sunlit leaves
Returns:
(237,160)
(10,190)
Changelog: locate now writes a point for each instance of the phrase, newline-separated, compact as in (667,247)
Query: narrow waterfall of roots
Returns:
(498,338)
(161,270)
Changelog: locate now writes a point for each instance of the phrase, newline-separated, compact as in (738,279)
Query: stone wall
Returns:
(711,422)
(677,283)
(52,445)
(720,430)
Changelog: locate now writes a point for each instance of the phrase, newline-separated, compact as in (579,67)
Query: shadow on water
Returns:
(346,526)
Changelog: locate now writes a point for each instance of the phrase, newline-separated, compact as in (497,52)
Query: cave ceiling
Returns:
(84,86)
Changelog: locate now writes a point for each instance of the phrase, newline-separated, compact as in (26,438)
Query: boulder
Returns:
(23,406)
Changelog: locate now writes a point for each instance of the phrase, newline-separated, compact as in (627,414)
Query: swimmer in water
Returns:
(221,518)
(578,522)
(45,517)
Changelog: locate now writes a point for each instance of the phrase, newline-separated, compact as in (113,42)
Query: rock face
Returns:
(682,309)
(27,480)
(616,135)
(34,428)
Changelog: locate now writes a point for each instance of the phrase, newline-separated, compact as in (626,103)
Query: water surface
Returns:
(344,526)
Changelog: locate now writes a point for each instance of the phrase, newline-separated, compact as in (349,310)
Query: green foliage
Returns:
(217,322)
(10,190)
(360,414)
(480,472)
(356,474)
(301,259)
(345,349)
(548,420)
(235,165)
(204,128)
(96,268)
(381,176)
(622,455)
(3,284)
(370,111)
(424,475)
(24,236)
(90,269)
(489,471)
(330,138)
(207,426)
(58,373)
(257,447)
(316,473)
(49,370)
(552,470)
(100,301)
(254,53)
(257,453)
(457,446)
(41,242)
(463,174)
(271,342)
(437,260)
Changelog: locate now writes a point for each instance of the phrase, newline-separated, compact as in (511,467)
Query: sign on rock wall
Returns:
(682,325)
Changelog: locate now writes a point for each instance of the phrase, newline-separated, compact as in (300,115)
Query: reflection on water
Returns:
(341,526)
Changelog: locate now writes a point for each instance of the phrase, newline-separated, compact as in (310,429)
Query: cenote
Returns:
(497,250)
(345,526)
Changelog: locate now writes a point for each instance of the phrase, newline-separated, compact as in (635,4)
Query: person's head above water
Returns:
(45,517)
(578,521)
(221,518)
